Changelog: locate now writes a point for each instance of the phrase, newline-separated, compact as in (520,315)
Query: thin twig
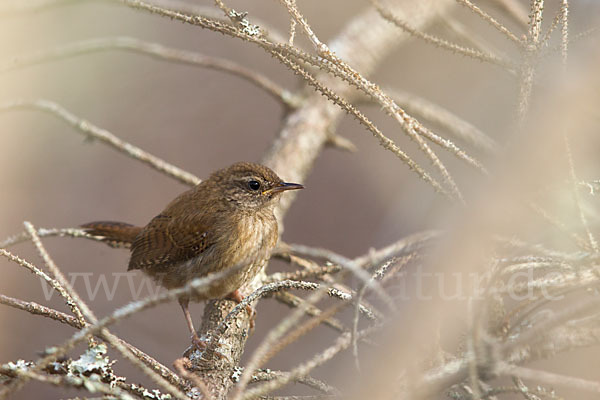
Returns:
(341,343)
(531,55)
(347,264)
(292,8)
(65,381)
(38,309)
(550,30)
(549,378)
(78,306)
(151,368)
(564,37)
(269,375)
(47,232)
(125,348)
(442,43)
(572,39)
(593,244)
(300,331)
(349,74)
(182,365)
(581,242)
(199,285)
(384,141)
(454,125)
(52,282)
(157,51)
(406,245)
(92,131)
(26,264)
(486,17)
(295,301)
(274,287)
(472,356)
(407,123)
(149,361)
(535,21)
(256,359)
(304,274)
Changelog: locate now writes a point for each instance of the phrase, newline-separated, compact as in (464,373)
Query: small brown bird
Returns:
(224,222)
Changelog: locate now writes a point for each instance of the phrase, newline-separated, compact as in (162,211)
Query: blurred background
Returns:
(201,120)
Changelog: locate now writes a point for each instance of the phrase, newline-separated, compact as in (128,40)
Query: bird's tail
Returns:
(115,234)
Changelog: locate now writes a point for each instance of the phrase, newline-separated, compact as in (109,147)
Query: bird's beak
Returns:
(282,187)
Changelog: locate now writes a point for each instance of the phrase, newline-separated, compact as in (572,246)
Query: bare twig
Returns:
(274,287)
(441,43)
(342,343)
(295,301)
(300,331)
(531,54)
(486,17)
(149,361)
(105,136)
(157,51)
(454,125)
(581,242)
(564,37)
(259,355)
(196,285)
(63,381)
(52,282)
(78,306)
(384,141)
(347,264)
(38,309)
(269,375)
(406,245)
(292,8)
(549,378)
(593,244)
(46,232)
(280,51)
(182,365)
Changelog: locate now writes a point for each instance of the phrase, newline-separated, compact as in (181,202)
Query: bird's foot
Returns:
(198,342)
(238,298)
(201,345)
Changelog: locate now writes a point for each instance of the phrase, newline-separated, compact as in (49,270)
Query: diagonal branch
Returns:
(442,43)
(94,132)
(154,50)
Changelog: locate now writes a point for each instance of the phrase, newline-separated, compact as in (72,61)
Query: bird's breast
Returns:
(243,245)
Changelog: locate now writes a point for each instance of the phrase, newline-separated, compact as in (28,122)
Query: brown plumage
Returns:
(224,222)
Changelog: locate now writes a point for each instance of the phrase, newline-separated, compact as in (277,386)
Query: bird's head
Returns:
(250,186)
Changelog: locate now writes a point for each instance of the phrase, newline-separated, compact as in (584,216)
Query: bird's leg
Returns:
(199,343)
(237,297)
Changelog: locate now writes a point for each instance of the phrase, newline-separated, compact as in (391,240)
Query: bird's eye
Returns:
(253,185)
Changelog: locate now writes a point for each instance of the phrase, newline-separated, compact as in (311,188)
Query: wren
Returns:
(225,222)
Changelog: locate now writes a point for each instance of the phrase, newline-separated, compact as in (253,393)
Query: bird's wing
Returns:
(166,241)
